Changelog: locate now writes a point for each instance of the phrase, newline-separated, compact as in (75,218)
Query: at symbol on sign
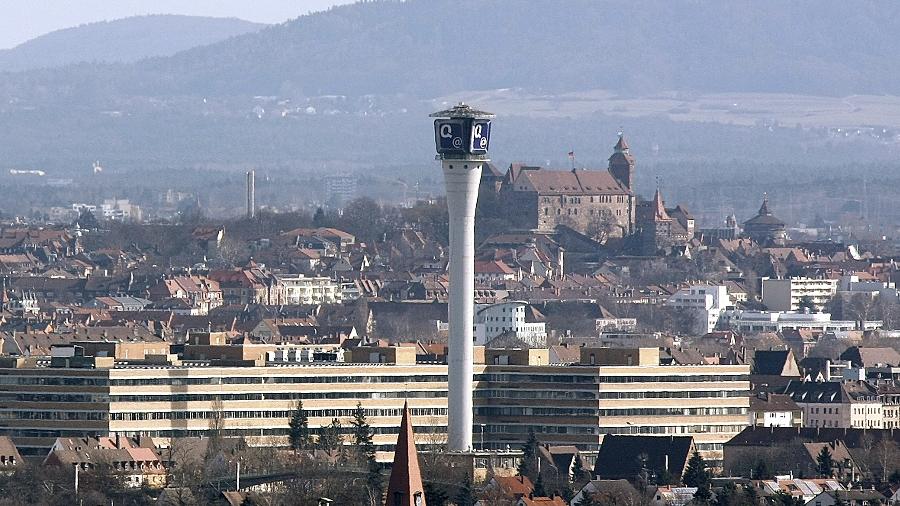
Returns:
(457,142)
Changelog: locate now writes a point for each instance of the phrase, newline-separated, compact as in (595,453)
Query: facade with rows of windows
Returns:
(564,404)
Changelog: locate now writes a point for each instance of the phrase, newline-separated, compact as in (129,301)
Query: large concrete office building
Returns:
(611,391)
(38,404)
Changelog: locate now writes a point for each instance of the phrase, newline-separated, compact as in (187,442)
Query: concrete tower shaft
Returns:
(461,178)
(251,194)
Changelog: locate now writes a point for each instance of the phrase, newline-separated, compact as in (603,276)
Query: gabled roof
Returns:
(620,456)
(570,182)
(772,402)
(780,436)
(493,267)
(817,392)
(773,362)
(871,356)
(513,486)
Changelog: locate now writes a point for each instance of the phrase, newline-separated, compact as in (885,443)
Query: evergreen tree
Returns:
(465,496)
(319,218)
(528,464)
(586,500)
(362,433)
(87,220)
(696,474)
(894,478)
(825,463)
(365,450)
(298,428)
(435,495)
(762,470)
(665,478)
(784,499)
(727,496)
(580,475)
(331,439)
(751,496)
(539,490)
(702,496)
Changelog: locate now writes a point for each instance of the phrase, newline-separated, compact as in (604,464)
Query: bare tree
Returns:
(600,226)
(862,307)
(890,312)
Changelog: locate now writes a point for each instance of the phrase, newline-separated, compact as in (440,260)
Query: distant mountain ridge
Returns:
(433,47)
(122,41)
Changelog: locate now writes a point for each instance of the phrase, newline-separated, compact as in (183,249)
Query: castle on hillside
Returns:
(583,199)
(600,203)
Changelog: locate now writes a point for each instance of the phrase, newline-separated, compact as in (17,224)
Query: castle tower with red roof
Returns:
(621,163)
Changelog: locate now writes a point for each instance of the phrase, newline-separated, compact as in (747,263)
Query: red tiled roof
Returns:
(493,267)
(514,486)
(573,182)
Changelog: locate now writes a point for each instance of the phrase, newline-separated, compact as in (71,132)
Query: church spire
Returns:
(622,145)
(764,208)
(659,206)
(405,486)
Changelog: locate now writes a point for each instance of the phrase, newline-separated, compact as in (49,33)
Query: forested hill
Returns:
(431,47)
(123,40)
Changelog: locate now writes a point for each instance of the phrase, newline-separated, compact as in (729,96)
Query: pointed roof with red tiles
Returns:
(405,486)
(659,208)
(621,152)
(622,145)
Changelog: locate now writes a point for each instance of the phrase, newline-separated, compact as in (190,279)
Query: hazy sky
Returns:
(21,20)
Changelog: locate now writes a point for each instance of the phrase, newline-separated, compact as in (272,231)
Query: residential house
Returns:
(856,497)
(136,461)
(202,293)
(514,319)
(774,410)
(10,459)
(851,404)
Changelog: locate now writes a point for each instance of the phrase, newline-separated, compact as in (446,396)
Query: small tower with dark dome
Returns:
(764,228)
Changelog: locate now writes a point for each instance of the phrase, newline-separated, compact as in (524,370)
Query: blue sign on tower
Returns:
(460,132)
(450,135)
(481,137)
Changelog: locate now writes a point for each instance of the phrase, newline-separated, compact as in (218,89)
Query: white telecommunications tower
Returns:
(462,137)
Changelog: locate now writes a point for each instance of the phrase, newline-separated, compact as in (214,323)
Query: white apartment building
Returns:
(787,294)
(851,404)
(300,289)
(777,321)
(120,210)
(851,285)
(707,302)
(508,317)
